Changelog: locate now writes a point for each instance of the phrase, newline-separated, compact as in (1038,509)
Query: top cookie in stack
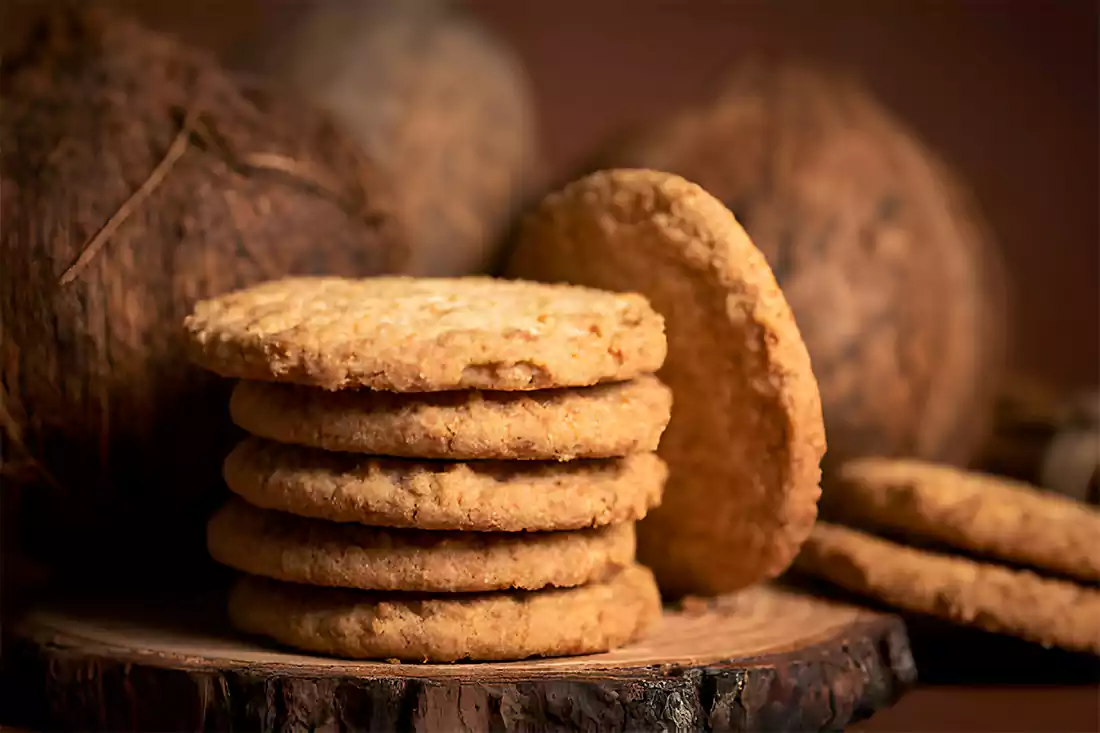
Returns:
(349,385)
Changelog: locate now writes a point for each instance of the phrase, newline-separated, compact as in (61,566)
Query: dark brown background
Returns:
(1006,89)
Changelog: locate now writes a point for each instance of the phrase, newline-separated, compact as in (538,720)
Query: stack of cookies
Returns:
(438,469)
(974,549)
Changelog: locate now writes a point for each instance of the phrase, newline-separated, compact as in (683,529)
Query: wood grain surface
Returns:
(767,658)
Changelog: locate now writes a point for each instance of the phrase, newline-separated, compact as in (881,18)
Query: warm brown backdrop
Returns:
(1005,89)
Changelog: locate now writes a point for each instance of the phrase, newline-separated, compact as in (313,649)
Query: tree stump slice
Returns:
(768,658)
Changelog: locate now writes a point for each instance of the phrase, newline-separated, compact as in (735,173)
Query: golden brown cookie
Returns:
(500,496)
(407,334)
(984,595)
(983,514)
(487,626)
(746,436)
(284,547)
(603,421)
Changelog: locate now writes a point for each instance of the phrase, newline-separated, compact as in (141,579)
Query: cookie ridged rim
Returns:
(501,496)
(603,421)
(284,547)
(444,628)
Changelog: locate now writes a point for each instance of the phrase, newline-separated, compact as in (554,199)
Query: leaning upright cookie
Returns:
(746,438)
(405,334)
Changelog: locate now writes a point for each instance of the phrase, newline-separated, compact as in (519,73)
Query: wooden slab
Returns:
(770,658)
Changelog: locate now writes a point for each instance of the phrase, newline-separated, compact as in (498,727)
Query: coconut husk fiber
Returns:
(137,178)
(894,279)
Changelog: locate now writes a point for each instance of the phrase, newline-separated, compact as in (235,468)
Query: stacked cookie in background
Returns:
(971,548)
(438,469)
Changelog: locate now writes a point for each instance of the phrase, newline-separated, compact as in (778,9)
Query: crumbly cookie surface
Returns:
(746,437)
(603,421)
(986,515)
(408,334)
(284,547)
(500,496)
(991,597)
(440,628)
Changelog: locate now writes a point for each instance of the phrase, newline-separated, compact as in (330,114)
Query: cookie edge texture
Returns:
(358,625)
(313,552)
(637,487)
(490,361)
(982,595)
(588,422)
(992,516)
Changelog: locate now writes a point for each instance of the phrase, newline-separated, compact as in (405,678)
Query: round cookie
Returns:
(983,514)
(991,597)
(602,421)
(284,547)
(746,437)
(494,496)
(407,334)
(489,626)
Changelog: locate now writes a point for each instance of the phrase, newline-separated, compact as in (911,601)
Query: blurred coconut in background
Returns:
(139,176)
(437,100)
(896,286)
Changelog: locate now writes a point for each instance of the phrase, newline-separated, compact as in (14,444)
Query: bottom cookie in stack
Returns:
(969,548)
(500,626)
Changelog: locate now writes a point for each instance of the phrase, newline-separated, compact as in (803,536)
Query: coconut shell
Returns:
(441,104)
(139,177)
(895,283)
